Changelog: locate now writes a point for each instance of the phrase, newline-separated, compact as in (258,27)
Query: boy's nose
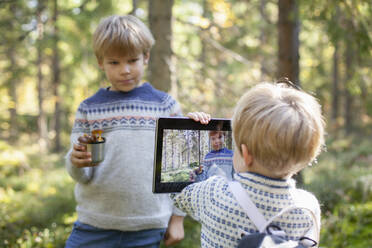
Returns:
(125,69)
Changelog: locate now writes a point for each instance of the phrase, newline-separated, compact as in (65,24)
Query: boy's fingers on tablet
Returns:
(193,115)
(204,118)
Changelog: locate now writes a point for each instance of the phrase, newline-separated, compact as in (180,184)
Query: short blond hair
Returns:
(282,127)
(122,34)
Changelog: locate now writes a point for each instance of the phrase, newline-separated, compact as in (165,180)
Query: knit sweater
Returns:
(117,193)
(217,162)
(223,220)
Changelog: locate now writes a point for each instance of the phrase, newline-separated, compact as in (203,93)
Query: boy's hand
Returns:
(80,157)
(175,232)
(199,170)
(202,117)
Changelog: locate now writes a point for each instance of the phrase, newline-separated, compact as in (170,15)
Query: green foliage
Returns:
(179,175)
(12,161)
(342,182)
(36,203)
(194,165)
(350,225)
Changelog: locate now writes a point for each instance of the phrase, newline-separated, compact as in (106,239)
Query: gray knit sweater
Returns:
(117,193)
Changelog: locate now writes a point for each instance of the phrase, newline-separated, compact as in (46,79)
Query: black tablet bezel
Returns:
(178,123)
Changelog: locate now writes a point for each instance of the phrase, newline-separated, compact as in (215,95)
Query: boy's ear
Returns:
(146,57)
(248,159)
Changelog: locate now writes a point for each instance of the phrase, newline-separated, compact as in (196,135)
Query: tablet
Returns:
(180,147)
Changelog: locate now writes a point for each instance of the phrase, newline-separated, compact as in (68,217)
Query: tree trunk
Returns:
(288,30)
(335,86)
(263,40)
(56,81)
(13,81)
(13,129)
(288,47)
(203,53)
(42,122)
(160,66)
(134,7)
(349,59)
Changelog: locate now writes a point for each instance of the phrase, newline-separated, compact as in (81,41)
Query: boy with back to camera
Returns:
(218,161)
(278,131)
(115,203)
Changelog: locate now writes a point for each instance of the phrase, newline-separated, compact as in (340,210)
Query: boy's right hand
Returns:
(201,117)
(198,170)
(80,157)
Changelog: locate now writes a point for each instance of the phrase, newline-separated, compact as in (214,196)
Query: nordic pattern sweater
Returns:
(222,160)
(117,193)
(222,219)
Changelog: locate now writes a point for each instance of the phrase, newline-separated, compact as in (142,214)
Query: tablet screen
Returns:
(185,149)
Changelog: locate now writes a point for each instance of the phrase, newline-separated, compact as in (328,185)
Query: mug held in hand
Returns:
(95,144)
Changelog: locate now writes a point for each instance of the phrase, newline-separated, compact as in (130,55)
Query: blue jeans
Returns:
(87,236)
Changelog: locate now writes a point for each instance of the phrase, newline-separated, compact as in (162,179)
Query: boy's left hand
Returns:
(202,117)
(175,232)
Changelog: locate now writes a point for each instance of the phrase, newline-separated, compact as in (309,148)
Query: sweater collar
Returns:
(135,91)
(263,182)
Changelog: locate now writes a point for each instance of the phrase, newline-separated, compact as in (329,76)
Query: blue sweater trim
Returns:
(144,92)
(263,180)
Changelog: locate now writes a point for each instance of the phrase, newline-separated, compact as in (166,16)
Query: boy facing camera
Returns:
(218,161)
(278,131)
(115,204)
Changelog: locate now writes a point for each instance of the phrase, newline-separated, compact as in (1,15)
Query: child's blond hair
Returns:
(282,127)
(124,35)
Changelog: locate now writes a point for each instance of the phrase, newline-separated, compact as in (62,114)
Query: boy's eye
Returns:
(133,60)
(113,62)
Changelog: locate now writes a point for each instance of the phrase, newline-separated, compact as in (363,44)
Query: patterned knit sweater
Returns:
(117,193)
(223,161)
(224,221)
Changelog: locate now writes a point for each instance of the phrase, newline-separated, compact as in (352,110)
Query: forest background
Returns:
(207,53)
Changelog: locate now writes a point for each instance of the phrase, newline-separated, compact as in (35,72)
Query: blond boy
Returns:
(278,131)
(219,161)
(115,204)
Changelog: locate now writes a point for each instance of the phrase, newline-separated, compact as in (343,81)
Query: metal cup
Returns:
(97,150)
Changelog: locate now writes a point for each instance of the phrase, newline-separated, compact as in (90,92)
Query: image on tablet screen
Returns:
(184,152)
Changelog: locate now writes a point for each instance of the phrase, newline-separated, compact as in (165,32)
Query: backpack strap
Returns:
(257,217)
(249,207)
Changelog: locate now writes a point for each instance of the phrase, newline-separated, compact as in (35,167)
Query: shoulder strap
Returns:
(257,217)
(249,207)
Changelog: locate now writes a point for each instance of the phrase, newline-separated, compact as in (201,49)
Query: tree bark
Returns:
(56,81)
(134,7)
(335,84)
(203,53)
(288,45)
(42,122)
(161,60)
(263,40)
(13,129)
(349,63)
